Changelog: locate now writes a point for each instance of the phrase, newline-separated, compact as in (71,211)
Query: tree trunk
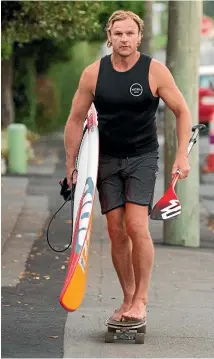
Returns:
(147,46)
(7,108)
(183,51)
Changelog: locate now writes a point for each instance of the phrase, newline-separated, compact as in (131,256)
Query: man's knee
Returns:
(137,224)
(137,229)
(117,232)
(116,226)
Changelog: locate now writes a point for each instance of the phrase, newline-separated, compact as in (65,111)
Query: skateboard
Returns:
(125,330)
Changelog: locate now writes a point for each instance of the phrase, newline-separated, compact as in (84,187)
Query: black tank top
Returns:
(126,109)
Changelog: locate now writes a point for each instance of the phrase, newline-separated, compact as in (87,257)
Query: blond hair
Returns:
(123,15)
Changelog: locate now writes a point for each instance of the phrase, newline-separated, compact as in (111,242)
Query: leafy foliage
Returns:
(26,21)
(41,33)
(24,92)
(66,77)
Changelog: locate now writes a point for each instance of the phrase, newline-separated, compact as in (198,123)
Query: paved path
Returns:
(180,311)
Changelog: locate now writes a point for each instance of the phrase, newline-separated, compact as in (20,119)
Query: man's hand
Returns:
(71,175)
(182,164)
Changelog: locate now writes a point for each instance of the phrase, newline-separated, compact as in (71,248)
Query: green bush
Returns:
(47,97)
(67,75)
(24,92)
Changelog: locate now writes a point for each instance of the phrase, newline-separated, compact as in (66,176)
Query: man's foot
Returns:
(137,311)
(118,313)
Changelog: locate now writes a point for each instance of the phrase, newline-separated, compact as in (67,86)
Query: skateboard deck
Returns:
(125,330)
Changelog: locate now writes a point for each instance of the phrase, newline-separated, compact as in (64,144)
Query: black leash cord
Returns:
(69,198)
(55,250)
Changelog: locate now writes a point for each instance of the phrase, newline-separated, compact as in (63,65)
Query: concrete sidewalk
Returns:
(14,188)
(181,309)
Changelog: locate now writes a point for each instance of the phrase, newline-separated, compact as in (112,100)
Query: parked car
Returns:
(206,93)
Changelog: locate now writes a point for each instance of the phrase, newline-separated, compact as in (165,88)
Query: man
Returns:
(125,88)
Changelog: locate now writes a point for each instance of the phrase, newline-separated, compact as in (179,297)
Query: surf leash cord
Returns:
(68,195)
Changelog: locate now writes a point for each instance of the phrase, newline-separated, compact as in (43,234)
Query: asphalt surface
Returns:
(32,319)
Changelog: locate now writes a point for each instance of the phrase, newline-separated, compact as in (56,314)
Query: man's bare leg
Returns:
(121,251)
(142,258)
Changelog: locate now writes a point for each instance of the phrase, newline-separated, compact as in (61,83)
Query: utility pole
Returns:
(147,42)
(183,53)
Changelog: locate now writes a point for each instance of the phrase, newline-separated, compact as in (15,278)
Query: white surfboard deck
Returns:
(87,166)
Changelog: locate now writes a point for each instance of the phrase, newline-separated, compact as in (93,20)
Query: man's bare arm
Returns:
(175,101)
(171,95)
(81,103)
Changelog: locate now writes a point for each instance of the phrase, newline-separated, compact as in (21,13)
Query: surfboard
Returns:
(73,290)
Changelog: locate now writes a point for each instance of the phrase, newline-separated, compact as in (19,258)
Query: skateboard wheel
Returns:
(109,337)
(139,338)
(141,329)
(111,330)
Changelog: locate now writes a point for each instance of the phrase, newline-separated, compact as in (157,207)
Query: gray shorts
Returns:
(130,179)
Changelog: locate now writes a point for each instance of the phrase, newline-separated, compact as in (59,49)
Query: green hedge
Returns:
(24,92)
(43,101)
(66,77)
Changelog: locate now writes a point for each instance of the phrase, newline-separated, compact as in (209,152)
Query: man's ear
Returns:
(109,43)
(140,38)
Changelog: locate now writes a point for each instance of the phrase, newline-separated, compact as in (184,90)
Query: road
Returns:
(180,312)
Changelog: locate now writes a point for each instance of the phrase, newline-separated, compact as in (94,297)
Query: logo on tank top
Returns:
(136,89)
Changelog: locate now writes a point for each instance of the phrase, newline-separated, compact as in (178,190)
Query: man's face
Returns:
(124,36)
